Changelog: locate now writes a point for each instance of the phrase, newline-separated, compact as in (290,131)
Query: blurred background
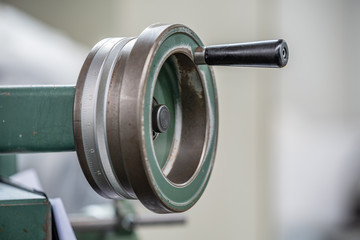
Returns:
(288,159)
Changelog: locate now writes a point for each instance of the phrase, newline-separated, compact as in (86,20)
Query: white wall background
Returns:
(316,119)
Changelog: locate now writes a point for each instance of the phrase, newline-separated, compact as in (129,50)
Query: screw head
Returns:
(160,118)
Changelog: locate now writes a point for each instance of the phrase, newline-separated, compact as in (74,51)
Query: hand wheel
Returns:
(146,113)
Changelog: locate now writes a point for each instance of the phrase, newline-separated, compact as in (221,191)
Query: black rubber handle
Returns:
(273,53)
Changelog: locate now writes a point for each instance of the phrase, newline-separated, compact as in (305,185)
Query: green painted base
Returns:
(23,214)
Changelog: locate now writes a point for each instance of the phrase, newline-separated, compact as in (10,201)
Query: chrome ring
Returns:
(91,101)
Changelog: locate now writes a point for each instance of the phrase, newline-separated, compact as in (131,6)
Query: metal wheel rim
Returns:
(149,183)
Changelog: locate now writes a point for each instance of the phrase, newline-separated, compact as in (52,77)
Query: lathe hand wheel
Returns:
(146,119)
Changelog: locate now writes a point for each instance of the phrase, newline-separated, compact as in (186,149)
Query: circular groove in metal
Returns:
(93,119)
(112,120)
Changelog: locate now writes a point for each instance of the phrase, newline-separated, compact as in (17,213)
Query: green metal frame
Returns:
(8,165)
(23,214)
(36,119)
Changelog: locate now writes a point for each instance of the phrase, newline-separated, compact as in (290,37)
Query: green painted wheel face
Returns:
(179,86)
(166,92)
(180,161)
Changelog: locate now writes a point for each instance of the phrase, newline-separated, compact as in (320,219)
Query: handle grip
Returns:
(272,53)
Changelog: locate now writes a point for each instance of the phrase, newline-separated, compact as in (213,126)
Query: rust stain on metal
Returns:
(25,231)
(0,230)
(47,224)
(34,133)
(5,93)
(189,76)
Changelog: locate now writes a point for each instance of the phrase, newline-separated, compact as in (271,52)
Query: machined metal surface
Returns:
(121,83)
(174,181)
(90,119)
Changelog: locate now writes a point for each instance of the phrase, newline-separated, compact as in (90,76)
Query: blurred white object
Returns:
(316,132)
(32,53)
(63,226)
(28,178)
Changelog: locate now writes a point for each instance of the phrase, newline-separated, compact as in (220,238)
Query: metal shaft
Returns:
(128,223)
(272,53)
(36,119)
